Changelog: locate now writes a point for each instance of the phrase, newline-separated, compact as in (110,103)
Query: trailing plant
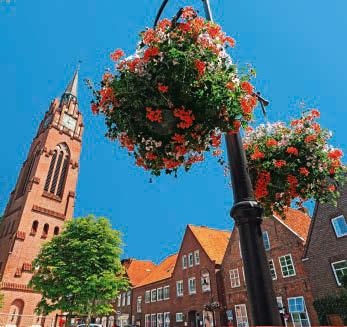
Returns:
(170,102)
(293,162)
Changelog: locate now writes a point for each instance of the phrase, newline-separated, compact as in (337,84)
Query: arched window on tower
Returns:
(45,231)
(56,230)
(34,227)
(27,170)
(58,170)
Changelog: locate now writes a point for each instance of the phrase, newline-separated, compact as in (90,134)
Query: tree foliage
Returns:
(79,271)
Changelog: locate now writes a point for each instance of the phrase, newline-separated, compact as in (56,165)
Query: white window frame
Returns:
(166,319)
(123,299)
(119,300)
(191,291)
(147,320)
(148,296)
(306,312)
(205,288)
(334,271)
(167,287)
(160,320)
(282,267)
(139,304)
(271,261)
(179,317)
(153,320)
(241,321)
(184,262)
(234,278)
(179,288)
(266,240)
(160,291)
(190,259)
(154,291)
(128,297)
(197,257)
(334,227)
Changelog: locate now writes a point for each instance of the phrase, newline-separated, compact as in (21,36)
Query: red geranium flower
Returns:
(292,150)
(280,163)
(200,66)
(304,171)
(271,142)
(163,88)
(117,54)
(248,87)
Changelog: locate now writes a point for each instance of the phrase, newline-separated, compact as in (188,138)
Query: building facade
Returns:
(41,201)
(284,242)
(326,259)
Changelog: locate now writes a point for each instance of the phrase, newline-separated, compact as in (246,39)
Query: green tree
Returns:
(79,271)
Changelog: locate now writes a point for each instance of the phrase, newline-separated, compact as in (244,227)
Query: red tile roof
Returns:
(296,221)
(138,270)
(163,271)
(213,241)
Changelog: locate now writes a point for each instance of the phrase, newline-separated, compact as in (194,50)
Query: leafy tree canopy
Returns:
(79,271)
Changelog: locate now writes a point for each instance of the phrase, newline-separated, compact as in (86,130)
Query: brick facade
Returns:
(39,204)
(321,254)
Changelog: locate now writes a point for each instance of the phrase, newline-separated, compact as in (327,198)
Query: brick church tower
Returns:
(41,201)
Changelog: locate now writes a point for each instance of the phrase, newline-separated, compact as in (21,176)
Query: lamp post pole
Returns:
(248,217)
(247,214)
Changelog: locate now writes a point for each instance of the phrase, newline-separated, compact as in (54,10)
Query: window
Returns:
(34,227)
(240,249)
(190,260)
(234,278)
(159,294)
(205,282)
(57,171)
(153,320)
(160,321)
(298,312)
(153,295)
(266,241)
(166,291)
(179,288)
(197,257)
(119,300)
(27,170)
(166,319)
(123,299)
(179,317)
(241,315)
(147,320)
(340,226)
(138,304)
(56,230)
(192,285)
(184,262)
(287,265)
(147,296)
(45,231)
(339,269)
(272,269)
(128,297)
(280,304)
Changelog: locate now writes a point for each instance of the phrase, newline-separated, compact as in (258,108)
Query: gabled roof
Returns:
(213,241)
(297,221)
(138,270)
(163,271)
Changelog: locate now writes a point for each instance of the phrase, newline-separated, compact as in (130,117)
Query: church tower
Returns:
(42,200)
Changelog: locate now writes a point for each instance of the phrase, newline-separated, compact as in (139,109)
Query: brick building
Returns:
(176,292)
(326,259)
(284,241)
(203,284)
(41,201)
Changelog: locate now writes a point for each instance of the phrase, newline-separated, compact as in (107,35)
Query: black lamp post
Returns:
(248,217)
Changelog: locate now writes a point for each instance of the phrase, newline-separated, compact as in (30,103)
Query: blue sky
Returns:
(298,48)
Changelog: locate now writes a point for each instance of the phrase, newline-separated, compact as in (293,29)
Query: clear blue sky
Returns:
(298,48)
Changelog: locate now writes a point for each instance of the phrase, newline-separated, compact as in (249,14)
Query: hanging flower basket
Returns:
(293,162)
(170,102)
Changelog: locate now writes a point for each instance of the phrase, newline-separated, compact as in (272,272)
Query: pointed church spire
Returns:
(71,89)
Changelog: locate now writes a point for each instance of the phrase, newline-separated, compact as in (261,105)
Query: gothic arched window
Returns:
(57,171)
(56,230)
(45,231)
(34,227)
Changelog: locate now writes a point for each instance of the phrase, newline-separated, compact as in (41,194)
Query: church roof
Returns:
(73,85)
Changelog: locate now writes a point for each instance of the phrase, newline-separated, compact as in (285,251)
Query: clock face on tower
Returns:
(69,122)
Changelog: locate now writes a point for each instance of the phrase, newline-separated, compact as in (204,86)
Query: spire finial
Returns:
(73,85)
